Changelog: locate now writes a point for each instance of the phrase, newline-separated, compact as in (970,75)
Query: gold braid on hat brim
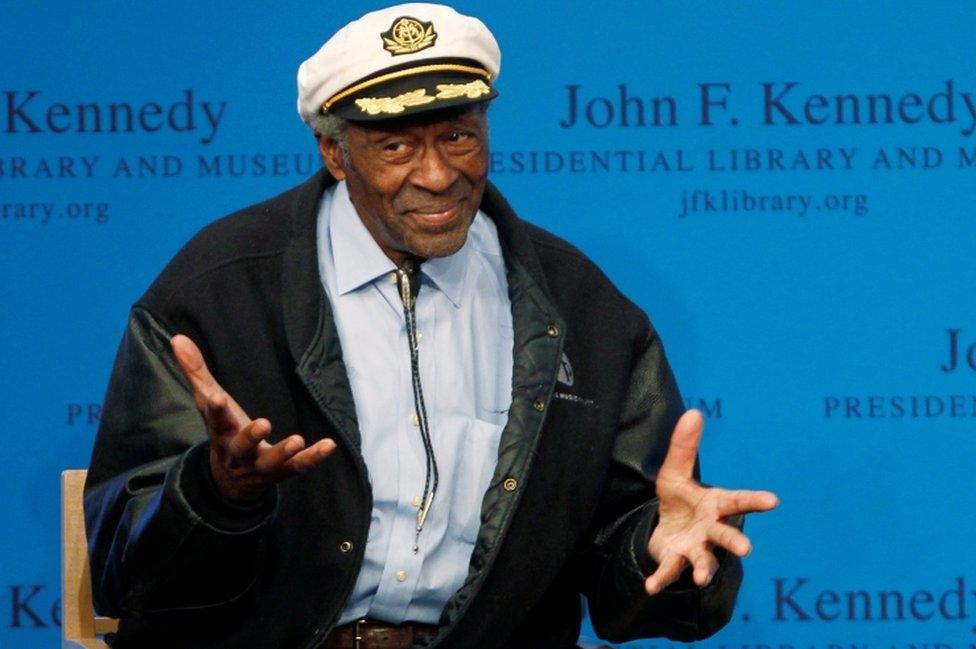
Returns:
(400,74)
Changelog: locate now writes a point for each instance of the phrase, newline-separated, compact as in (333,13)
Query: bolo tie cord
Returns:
(408,283)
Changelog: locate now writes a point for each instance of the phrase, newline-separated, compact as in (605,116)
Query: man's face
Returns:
(417,182)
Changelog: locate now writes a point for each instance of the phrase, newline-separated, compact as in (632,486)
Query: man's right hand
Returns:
(243,464)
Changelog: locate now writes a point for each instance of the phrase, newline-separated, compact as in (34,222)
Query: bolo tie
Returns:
(408,285)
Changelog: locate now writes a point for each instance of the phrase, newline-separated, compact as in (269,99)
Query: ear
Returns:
(332,156)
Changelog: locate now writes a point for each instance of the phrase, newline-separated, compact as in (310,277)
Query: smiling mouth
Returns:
(436,217)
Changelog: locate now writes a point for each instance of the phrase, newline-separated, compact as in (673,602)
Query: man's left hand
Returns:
(691,518)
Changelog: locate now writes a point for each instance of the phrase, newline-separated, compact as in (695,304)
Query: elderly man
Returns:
(463,425)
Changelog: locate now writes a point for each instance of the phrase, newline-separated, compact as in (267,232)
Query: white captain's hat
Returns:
(398,61)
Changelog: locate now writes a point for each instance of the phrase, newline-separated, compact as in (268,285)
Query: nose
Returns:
(434,171)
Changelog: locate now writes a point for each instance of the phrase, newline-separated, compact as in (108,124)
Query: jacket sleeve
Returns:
(620,609)
(159,535)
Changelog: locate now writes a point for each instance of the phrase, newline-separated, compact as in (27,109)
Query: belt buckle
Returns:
(357,638)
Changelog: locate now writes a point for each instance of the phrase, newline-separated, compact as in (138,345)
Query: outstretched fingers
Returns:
(683,448)
(306,459)
(224,416)
(726,536)
(243,462)
(190,360)
(246,441)
(221,420)
(743,501)
(272,461)
(666,574)
(289,456)
(704,564)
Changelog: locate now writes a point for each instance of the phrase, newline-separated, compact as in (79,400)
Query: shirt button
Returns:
(345,547)
(510,484)
(539,405)
(552,330)
(414,419)
(401,576)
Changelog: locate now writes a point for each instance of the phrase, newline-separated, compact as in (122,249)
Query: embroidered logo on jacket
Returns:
(565,373)
(566,376)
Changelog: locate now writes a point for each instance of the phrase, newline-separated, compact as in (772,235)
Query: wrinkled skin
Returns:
(416,182)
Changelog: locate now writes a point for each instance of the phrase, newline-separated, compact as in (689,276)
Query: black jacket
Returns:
(570,506)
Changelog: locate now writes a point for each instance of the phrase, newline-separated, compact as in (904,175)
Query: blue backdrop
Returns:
(787,188)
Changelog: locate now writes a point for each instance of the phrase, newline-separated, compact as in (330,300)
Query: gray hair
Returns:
(332,127)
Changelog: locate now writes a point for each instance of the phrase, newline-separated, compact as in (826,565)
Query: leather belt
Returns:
(365,634)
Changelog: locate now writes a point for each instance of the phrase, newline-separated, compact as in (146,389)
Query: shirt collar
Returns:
(359,259)
(448,273)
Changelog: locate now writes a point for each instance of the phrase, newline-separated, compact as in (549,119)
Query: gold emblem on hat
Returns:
(419,97)
(394,105)
(407,35)
(472,90)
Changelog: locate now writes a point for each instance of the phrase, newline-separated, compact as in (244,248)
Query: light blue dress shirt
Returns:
(464,320)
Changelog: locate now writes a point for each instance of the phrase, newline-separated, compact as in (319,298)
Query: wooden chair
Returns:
(80,627)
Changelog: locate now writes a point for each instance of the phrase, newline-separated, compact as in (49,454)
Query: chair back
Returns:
(80,627)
